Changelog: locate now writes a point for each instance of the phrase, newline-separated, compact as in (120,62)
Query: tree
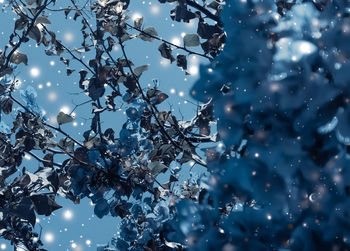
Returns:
(279,92)
(126,162)
(278,171)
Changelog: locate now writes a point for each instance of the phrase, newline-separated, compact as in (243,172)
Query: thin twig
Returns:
(169,43)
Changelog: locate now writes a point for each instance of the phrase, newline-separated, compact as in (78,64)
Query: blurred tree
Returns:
(280,95)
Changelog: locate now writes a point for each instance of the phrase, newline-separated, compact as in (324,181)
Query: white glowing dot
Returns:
(165,62)
(48,84)
(306,47)
(274,87)
(172,91)
(194,59)
(256,155)
(74,245)
(18,83)
(35,72)
(268,216)
(52,63)
(65,109)
(193,70)
(183,34)
(52,119)
(68,37)
(181,94)
(52,96)
(210,70)
(2,1)
(49,237)
(88,242)
(136,16)
(155,9)
(27,157)
(40,86)
(37,220)
(68,215)
(176,41)
(75,123)
(3,245)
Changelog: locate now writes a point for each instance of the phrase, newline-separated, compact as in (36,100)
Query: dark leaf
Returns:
(165,51)
(181,61)
(44,204)
(6,105)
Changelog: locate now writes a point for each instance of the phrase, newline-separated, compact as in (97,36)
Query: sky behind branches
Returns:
(74,227)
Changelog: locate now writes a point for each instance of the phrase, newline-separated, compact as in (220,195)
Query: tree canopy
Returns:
(271,130)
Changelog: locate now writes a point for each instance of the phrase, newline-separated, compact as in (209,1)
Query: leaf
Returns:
(69,71)
(7,70)
(191,40)
(44,204)
(101,208)
(214,5)
(6,105)
(63,118)
(151,31)
(160,98)
(140,69)
(24,210)
(30,2)
(181,61)
(35,34)
(165,51)
(20,23)
(18,58)
(156,167)
(42,20)
(83,74)
(95,88)
(138,22)
(2,89)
